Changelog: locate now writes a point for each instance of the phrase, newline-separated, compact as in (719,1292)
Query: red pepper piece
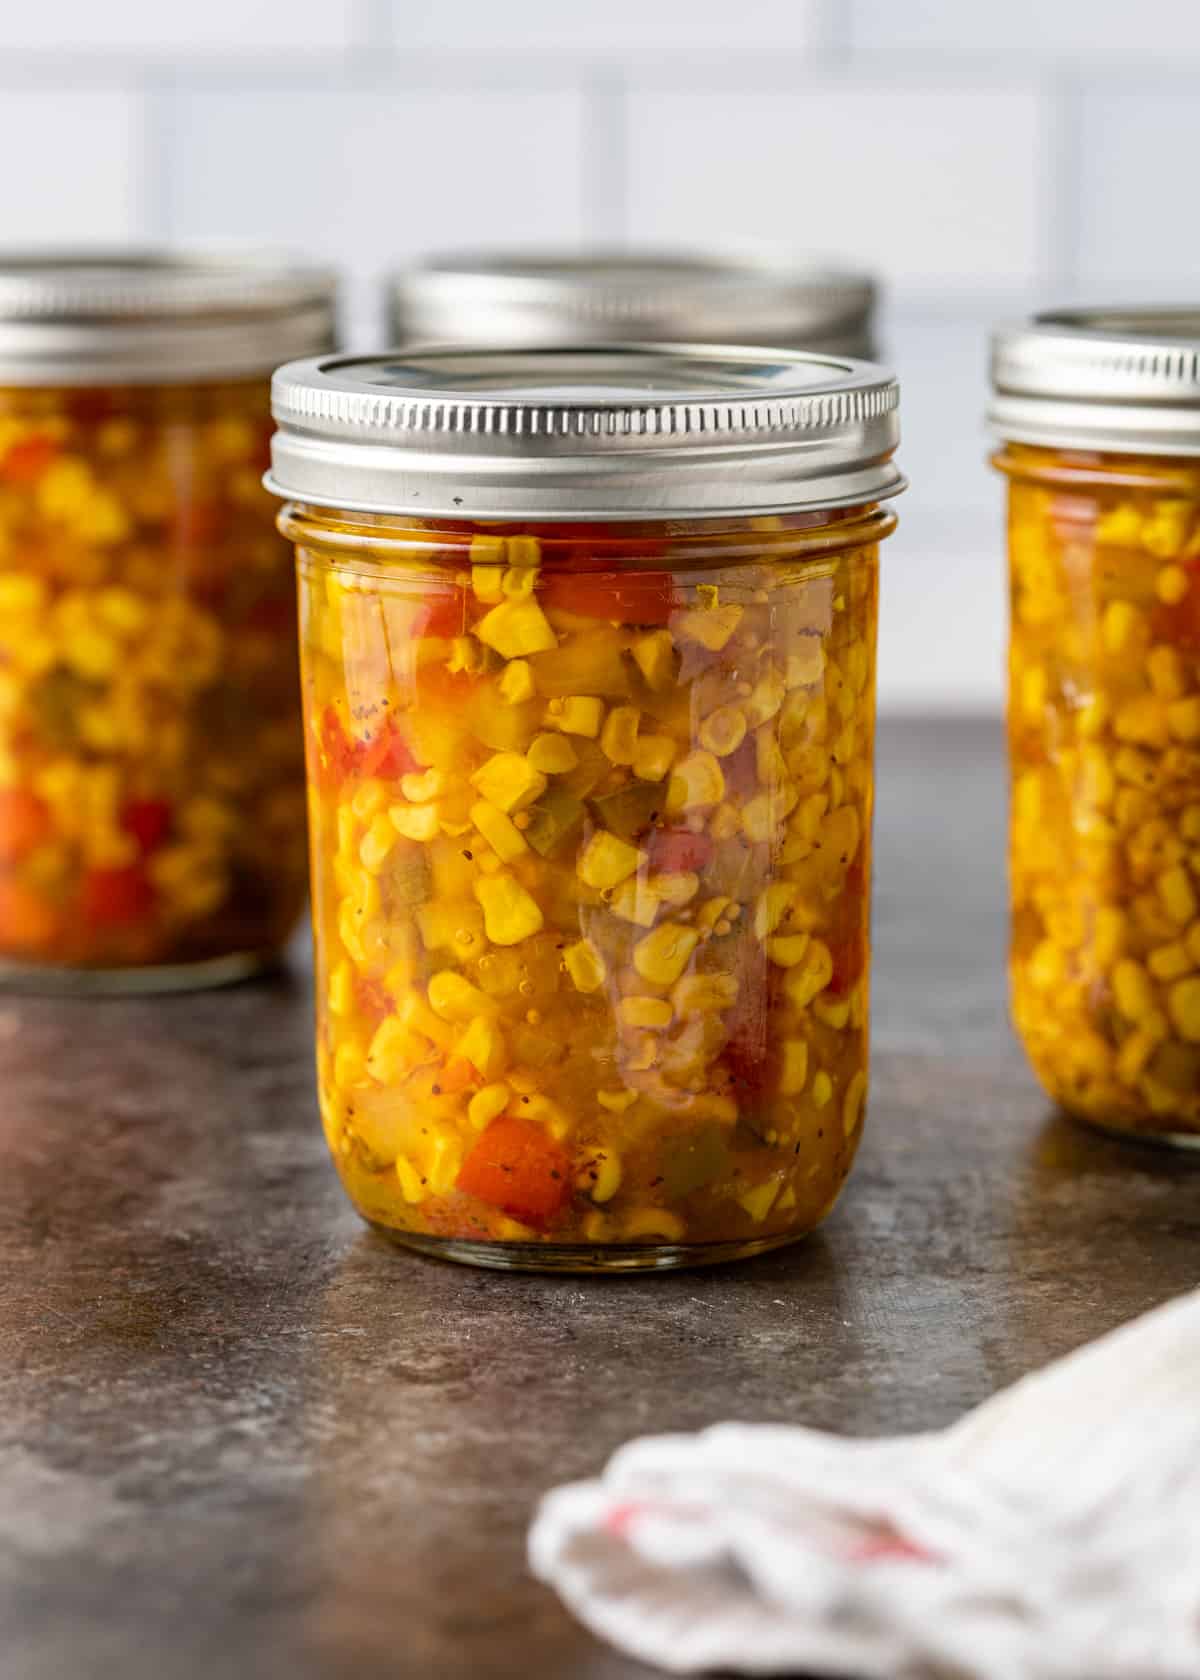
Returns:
(148,821)
(386,755)
(445,615)
(338,751)
(28,460)
(515,1167)
(27,922)
(115,897)
(371,999)
(458,1075)
(621,597)
(677,851)
(25,823)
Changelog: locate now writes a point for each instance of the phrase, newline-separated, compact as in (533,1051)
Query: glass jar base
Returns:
(1129,1133)
(47,980)
(583,1257)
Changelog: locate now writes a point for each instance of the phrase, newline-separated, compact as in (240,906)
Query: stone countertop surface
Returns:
(242,1436)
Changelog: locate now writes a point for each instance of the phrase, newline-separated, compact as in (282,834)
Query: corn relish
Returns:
(590,808)
(1102,455)
(151,752)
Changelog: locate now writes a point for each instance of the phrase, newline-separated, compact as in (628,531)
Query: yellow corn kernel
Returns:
(662,955)
(1178,895)
(1124,628)
(1097,783)
(545,1112)
(509,913)
(552,755)
(648,1012)
(483,1046)
(516,683)
(704,994)
(794,1070)
(376,844)
(576,714)
(678,887)
(759,1201)
(1137,767)
(349,1065)
(487,565)
(810,975)
(1034,690)
(1171,585)
(451,926)
(1132,990)
(390,1052)
(509,781)
(350,932)
(1183,718)
(1121,526)
(524,550)
(499,830)
(852,1102)
(1134,1054)
(1109,933)
(1170,962)
(764,815)
(1092,717)
(822,1089)
(585,965)
(834,1012)
(487,1105)
(21,596)
(653,756)
(600,1175)
(652,1222)
(654,655)
(725,822)
(1143,721)
(786,950)
(413,1012)
(710,626)
(1165,531)
(518,580)
(616,1101)
(723,731)
(412,1185)
(454,998)
(607,860)
(466,656)
(444,1163)
(618,738)
(516,628)
(1165,668)
(1183,1006)
(696,781)
(633,901)
(765,699)
(92,652)
(805,664)
(714,911)
(341,989)
(415,822)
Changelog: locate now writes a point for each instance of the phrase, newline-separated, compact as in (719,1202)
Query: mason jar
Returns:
(1099,417)
(588,656)
(151,753)
(533,297)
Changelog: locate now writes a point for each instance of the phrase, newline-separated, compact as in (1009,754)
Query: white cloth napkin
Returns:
(1052,1534)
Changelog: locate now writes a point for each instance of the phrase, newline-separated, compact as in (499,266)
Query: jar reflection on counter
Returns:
(591,808)
(151,758)
(1104,719)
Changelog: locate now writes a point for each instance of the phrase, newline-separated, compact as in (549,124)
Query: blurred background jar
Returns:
(556,297)
(1099,413)
(151,760)
(588,648)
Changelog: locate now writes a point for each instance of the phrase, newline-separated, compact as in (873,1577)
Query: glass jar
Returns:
(590,768)
(556,297)
(1100,416)
(151,753)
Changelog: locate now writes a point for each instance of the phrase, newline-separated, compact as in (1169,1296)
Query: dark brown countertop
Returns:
(240,1436)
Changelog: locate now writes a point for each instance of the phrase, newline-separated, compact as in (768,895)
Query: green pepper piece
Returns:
(695,1159)
(631,810)
(552,819)
(593,766)
(56,702)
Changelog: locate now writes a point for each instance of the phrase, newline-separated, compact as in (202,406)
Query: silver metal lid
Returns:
(613,431)
(151,317)
(1121,380)
(539,297)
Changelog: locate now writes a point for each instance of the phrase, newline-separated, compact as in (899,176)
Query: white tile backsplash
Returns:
(613,26)
(1159,29)
(72,164)
(180,26)
(934,186)
(983,156)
